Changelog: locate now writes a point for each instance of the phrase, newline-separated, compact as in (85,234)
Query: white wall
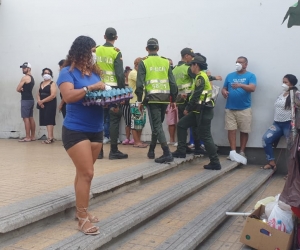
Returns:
(41,32)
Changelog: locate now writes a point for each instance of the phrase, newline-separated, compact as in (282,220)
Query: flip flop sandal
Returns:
(88,230)
(24,140)
(48,141)
(141,146)
(273,167)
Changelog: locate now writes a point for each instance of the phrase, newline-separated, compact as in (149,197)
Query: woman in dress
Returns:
(82,131)
(46,102)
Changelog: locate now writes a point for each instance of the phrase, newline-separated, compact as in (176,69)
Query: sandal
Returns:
(85,220)
(25,140)
(88,230)
(92,218)
(269,166)
(140,145)
(285,177)
(48,141)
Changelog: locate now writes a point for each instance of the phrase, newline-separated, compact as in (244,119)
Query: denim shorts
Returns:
(72,137)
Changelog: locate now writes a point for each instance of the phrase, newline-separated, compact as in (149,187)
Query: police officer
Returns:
(155,73)
(109,59)
(184,79)
(198,114)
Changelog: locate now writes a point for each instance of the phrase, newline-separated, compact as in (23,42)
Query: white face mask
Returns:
(238,67)
(285,87)
(47,77)
(94,58)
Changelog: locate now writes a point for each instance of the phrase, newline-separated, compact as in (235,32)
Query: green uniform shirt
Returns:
(142,78)
(117,66)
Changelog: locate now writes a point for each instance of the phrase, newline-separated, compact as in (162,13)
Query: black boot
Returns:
(115,154)
(189,150)
(100,156)
(151,154)
(166,157)
(178,154)
(213,166)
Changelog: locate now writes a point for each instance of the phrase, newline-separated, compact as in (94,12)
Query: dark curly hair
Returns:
(80,56)
(293,80)
(51,73)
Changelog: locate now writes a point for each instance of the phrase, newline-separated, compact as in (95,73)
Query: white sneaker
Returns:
(175,144)
(106,140)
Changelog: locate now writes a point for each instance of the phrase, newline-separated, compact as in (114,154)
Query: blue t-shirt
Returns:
(79,117)
(239,99)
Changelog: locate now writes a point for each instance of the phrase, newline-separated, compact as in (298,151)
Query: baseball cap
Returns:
(187,51)
(25,65)
(152,42)
(111,33)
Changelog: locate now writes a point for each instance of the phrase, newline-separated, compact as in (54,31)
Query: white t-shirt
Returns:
(281,114)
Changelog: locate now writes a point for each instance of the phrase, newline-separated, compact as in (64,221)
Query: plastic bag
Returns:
(284,217)
(234,156)
(264,201)
(269,207)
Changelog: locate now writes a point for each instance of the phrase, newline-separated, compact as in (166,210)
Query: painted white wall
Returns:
(41,32)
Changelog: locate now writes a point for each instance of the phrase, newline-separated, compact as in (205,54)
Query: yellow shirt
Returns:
(132,84)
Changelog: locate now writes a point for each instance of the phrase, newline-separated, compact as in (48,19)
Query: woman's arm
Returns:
(74,95)
(52,95)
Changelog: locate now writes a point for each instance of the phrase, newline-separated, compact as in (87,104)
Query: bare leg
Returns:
(27,128)
(172,130)
(243,140)
(127,132)
(232,139)
(83,155)
(32,128)
(50,131)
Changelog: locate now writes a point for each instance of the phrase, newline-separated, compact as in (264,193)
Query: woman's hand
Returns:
(97,86)
(40,103)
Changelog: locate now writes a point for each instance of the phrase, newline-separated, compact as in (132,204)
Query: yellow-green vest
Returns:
(156,79)
(106,57)
(183,80)
(206,92)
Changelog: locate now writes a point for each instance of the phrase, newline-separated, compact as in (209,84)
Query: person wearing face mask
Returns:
(237,90)
(109,59)
(27,102)
(82,131)
(282,120)
(46,103)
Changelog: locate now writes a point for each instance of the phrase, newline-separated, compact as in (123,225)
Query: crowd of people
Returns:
(185,94)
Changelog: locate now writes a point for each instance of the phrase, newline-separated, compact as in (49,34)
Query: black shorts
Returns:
(71,137)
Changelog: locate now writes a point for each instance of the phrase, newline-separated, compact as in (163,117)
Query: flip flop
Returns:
(25,140)
(273,167)
(140,146)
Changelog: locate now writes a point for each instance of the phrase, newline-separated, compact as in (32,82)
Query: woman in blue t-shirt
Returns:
(82,131)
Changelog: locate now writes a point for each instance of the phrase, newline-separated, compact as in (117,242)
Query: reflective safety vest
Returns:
(157,80)
(106,57)
(183,80)
(207,92)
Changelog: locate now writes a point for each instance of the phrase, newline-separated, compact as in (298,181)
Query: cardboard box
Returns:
(260,235)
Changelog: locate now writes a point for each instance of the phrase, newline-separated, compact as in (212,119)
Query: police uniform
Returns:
(109,59)
(155,75)
(200,114)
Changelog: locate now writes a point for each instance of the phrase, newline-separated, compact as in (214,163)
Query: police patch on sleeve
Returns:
(198,82)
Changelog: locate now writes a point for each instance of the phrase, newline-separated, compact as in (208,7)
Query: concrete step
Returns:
(26,212)
(124,211)
(192,220)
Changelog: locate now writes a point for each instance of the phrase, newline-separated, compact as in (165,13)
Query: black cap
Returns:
(25,65)
(198,59)
(187,51)
(111,33)
(152,42)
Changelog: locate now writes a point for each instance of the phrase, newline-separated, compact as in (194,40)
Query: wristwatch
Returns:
(86,89)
